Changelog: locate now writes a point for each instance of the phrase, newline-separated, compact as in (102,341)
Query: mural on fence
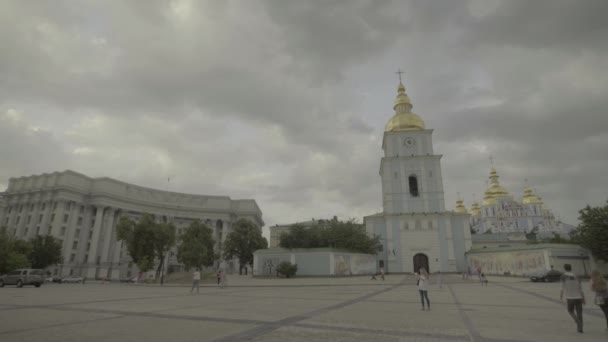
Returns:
(354,264)
(515,263)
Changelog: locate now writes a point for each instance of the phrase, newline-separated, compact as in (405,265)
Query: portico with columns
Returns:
(83,212)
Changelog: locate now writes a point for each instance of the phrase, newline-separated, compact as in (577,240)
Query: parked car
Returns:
(72,279)
(25,276)
(547,276)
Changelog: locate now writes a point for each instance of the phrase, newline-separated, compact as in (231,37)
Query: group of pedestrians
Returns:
(572,292)
(196,280)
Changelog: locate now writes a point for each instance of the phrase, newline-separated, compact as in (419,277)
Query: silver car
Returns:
(26,276)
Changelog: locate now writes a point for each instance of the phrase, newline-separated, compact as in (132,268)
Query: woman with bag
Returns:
(423,287)
(598,285)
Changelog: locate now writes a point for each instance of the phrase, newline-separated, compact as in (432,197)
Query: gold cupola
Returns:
(475,211)
(404,119)
(460,208)
(530,197)
(495,189)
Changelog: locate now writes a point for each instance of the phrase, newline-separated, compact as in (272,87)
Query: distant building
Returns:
(500,213)
(277,230)
(481,241)
(415,228)
(83,212)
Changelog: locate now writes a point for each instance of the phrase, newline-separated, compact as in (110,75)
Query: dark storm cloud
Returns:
(260,99)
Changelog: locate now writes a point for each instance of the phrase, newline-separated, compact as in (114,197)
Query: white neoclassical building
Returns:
(414,226)
(83,213)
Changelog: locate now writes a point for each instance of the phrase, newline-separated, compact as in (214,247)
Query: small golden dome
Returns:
(475,211)
(495,189)
(460,208)
(404,119)
(530,197)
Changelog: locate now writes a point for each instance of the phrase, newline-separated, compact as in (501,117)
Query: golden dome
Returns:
(404,119)
(530,197)
(460,208)
(488,200)
(495,189)
(475,211)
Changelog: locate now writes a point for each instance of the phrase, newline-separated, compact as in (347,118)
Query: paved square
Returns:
(301,309)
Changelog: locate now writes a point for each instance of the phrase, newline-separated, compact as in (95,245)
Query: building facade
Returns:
(499,212)
(414,227)
(83,212)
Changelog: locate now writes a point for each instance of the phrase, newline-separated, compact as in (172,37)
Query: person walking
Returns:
(598,285)
(218,276)
(196,280)
(382,272)
(483,280)
(575,299)
(423,287)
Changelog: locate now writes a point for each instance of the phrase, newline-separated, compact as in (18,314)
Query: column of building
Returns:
(69,252)
(116,254)
(21,218)
(92,259)
(56,218)
(108,237)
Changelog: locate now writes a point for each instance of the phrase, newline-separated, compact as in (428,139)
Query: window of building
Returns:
(418,225)
(37,230)
(6,222)
(72,257)
(413,186)
(80,221)
(82,209)
(32,207)
(54,206)
(71,271)
(20,208)
(40,218)
(86,258)
(50,230)
(98,259)
(68,205)
(63,229)
(29,219)
(52,217)
(65,218)
(88,246)
(77,233)
(381,248)
(75,245)
(90,234)
(43,206)
(10,208)
(25,231)
(18,219)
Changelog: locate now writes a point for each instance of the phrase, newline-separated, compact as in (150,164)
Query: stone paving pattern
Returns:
(300,309)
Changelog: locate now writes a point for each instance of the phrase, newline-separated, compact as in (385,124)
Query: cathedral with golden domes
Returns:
(414,227)
(499,212)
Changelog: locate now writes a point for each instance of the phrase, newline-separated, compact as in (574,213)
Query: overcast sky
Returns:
(285,102)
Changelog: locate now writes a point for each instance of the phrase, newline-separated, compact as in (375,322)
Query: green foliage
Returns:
(196,246)
(146,240)
(287,269)
(45,251)
(243,240)
(592,233)
(347,235)
(39,252)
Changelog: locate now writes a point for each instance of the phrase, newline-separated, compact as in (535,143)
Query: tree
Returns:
(164,239)
(139,240)
(242,241)
(196,246)
(14,253)
(45,251)
(348,235)
(592,233)
(146,241)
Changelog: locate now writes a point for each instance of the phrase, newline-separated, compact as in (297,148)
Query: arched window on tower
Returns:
(413,186)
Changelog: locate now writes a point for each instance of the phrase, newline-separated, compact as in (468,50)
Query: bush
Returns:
(287,269)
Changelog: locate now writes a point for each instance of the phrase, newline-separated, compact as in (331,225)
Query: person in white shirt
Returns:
(571,289)
(423,287)
(196,280)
